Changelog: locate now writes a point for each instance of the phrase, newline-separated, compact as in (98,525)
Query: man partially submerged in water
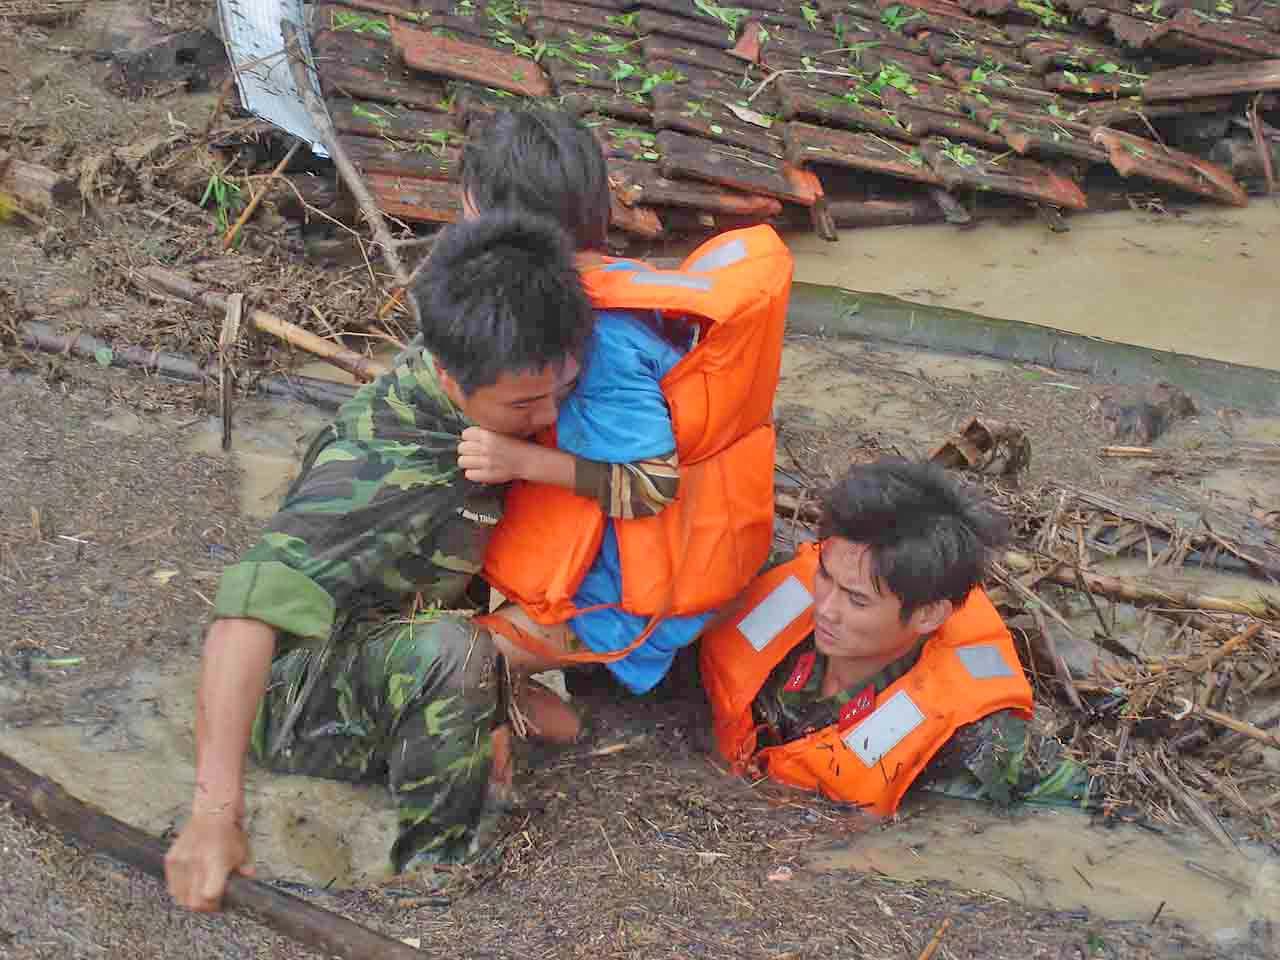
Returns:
(873,660)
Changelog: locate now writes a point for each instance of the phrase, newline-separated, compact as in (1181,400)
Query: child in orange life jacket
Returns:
(850,668)
(615,440)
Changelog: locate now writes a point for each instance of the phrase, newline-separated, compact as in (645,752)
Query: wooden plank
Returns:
(799,100)
(1129,111)
(422,160)
(1073,53)
(918,66)
(1094,84)
(1045,136)
(960,165)
(535,8)
(958,24)
(674,111)
(1240,38)
(643,183)
(636,220)
(858,30)
(686,156)
(583,100)
(1026,87)
(623,142)
(702,84)
(415,199)
(584,16)
(923,123)
(866,9)
(472,102)
(945,48)
(1185,83)
(599,75)
(370,119)
(364,68)
(1136,156)
(885,213)
(707,33)
(868,152)
(659,47)
(460,60)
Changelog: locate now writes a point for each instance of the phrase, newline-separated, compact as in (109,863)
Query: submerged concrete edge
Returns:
(836,312)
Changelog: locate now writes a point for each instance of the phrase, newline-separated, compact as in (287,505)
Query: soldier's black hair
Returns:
(543,161)
(929,537)
(500,294)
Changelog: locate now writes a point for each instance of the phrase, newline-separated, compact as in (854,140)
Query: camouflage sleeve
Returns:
(1005,759)
(379,512)
(626,490)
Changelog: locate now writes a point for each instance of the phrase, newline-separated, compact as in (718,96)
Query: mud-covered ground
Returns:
(113,532)
(632,844)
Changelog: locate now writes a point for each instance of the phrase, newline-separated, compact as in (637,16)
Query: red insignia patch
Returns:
(857,708)
(802,672)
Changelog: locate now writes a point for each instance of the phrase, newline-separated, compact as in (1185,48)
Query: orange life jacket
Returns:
(967,670)
(705,547)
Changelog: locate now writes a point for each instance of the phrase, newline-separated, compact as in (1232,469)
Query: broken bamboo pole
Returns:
(362,368)
(40,336)
(332,935)
(301,71)
(1135,591)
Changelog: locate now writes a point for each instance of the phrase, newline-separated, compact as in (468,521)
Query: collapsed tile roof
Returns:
(832,112)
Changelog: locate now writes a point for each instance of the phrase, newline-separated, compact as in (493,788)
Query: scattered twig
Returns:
(932,947)
(616,861)
(257,198)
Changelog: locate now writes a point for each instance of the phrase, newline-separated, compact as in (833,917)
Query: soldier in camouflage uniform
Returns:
(878,578)
(333,651)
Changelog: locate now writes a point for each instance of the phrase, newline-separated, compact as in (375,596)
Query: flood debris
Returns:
(838,108)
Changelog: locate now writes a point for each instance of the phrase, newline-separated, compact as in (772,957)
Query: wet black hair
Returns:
(929,537)
(544,161)
(500,294)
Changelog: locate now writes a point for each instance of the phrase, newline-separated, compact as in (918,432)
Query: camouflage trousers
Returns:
(410,702)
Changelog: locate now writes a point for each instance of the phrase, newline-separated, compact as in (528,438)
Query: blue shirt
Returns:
(617,414)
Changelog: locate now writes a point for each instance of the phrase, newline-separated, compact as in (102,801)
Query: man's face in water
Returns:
(856,615)
(518,404)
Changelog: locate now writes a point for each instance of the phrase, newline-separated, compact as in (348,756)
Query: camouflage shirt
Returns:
(1001,757)
(379,513)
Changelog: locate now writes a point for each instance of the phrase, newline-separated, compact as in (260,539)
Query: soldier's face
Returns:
(524,403)
(858,617)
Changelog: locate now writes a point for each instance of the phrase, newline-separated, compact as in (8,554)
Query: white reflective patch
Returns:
(656,279)
(884,729)
(724,256)
(775,612)
(984,661)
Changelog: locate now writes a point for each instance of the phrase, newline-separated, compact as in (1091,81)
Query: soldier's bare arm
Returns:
(237,663)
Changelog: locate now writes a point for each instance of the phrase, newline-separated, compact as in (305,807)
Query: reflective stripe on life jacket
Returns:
(967,670)
(705,547)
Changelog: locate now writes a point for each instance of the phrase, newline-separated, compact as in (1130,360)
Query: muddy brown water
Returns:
(330,834)
(1202,282)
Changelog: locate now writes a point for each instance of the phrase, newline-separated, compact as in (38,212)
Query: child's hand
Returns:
(488,457)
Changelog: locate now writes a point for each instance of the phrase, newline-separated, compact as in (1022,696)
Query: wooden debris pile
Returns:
(819,114)
(1176,708)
